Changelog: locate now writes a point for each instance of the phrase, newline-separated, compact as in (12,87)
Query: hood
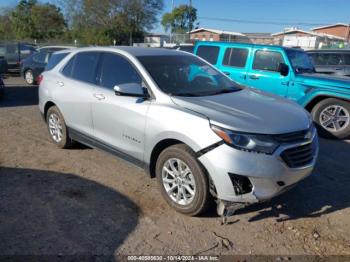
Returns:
(249,111)
(323,80)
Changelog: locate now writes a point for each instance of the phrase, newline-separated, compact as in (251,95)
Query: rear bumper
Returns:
(269,175)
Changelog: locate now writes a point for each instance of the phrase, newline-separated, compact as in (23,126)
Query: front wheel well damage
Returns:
(162,145)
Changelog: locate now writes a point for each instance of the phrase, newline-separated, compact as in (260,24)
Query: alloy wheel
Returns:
(178,181)
(29,77)
(334,118)
(55,127)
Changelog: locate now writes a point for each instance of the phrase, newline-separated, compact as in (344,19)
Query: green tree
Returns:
(6,31)
(48,22)
(31,20)
(102,21)
(22,23)
(180,20)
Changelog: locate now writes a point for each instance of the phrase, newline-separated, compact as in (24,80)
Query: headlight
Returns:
(248,142)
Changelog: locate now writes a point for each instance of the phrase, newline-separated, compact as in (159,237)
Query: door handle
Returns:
(100,96)
(254,77)
(338,68)
(286,83)
(227,73)
(60,83)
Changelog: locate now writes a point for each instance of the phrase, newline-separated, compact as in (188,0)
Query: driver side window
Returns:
(267,60)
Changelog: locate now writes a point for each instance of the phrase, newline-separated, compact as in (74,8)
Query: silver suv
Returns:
(203,136)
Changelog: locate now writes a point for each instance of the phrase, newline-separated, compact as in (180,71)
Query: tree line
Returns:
(99,22)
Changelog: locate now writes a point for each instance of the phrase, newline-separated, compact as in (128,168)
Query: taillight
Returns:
(39,79)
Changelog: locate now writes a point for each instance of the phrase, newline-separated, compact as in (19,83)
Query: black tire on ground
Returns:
(321,106)
(66,141)
(202,197)
(25,77)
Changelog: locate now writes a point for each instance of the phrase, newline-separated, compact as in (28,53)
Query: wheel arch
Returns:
(47,106)
(158,148)
(315,100)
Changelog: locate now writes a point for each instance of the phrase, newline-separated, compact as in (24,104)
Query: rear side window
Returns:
(267,60)
(54,60)
(67,70)
(209,53)
(328,59)
(347,59)
(82,67)
(116,70)
(236,57)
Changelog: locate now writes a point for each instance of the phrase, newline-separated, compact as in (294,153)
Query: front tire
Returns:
(57,128)
(332,117)
(182,180)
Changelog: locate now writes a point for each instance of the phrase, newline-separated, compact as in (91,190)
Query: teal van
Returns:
(287,72)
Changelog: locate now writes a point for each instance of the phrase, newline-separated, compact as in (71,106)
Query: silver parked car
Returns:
(173,114)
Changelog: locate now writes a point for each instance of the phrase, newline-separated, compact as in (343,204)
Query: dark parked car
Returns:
(14,53)
(3,65)
(2,87)
(34,65)
(332,62)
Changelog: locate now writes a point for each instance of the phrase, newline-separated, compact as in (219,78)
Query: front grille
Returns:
(298,156)
(291,137)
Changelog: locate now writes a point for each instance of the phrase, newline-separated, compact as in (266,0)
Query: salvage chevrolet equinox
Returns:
(202,135)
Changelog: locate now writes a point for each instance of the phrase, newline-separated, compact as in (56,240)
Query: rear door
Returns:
(234,63)
(74,91)
(119,121)
(263,71)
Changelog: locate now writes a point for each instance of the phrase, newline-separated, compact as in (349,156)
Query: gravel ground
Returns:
(84,201)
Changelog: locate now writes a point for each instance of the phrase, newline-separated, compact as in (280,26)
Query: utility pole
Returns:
(189,21)
(171,29)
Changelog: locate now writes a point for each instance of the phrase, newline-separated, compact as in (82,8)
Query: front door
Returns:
(264,75)
(119,121)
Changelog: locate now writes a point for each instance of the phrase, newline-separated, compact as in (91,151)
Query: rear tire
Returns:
(186,187)
(29,77)
(332,117)
(57,128)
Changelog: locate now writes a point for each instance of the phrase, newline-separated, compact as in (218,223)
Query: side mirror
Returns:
(131,89)
(283,69)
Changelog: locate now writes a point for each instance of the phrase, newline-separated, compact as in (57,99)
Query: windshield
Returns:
(301,62)
(186,75)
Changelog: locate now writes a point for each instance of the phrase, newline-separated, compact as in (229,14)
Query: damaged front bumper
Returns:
(245,177)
